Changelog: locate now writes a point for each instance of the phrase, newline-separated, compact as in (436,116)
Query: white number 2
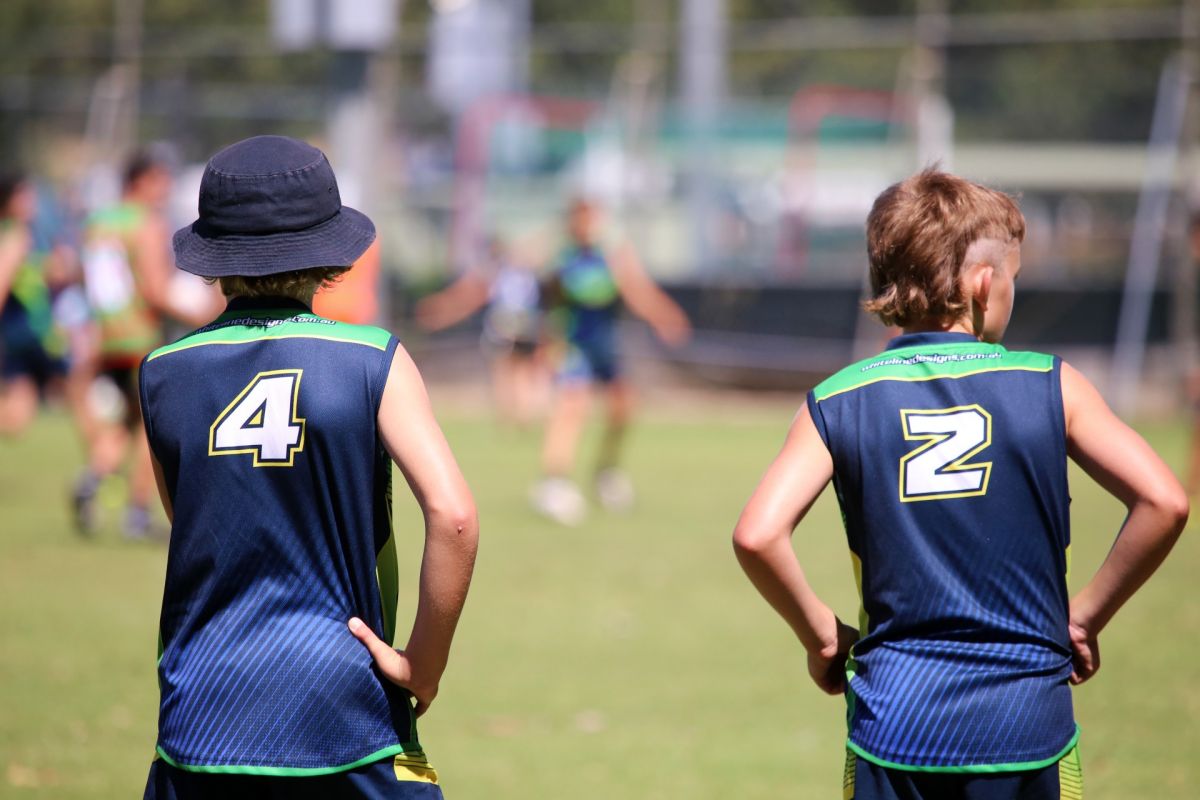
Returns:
(262,421)
(938,469)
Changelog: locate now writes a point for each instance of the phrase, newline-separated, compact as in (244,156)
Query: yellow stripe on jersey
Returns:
(413,767)
(863,621)
(848,775)
(1070,776)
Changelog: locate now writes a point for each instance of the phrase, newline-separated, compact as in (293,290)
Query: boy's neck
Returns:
(939,326)
(244,300)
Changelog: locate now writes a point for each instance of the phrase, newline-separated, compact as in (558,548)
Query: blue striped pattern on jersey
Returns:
(950,468)
(268,560)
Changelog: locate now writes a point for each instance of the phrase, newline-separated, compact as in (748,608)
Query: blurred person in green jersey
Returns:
(126,268)
(31,347)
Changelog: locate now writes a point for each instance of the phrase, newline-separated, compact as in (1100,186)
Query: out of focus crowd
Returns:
(85,294)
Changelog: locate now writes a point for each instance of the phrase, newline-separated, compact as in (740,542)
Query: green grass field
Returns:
(628,658)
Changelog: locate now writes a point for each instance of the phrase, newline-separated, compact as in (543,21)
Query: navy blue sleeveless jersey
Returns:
(950,467)
(588,290)
(264,423)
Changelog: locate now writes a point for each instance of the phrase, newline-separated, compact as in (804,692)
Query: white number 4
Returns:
(262,421)
(938,469)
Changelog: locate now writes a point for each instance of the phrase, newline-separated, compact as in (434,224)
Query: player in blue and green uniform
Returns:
(948,454)
(273,432)
(588,287)
(32,349)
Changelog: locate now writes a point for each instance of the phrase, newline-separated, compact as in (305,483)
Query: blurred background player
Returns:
(73,317)
(588,285)
(1193,383)
(508,289)
(354,297)
(31,349)
(126,266)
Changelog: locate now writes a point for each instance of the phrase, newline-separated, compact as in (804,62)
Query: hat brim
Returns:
(336,242)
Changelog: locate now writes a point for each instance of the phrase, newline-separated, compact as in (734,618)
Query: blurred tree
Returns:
(1097,90)
(210,72)
(198,57)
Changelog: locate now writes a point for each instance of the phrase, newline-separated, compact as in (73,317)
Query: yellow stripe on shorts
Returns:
(1070,776)
(414,767)
(848,775)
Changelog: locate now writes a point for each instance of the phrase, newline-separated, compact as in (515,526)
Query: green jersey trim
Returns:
(387,573)
(121,218)
(931,362)
(126,345)
(410,748)
(247,327)
(1015,766)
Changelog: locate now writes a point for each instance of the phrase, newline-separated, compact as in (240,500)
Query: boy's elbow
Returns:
(457,515)
(464,520)
(749,540)
(1178,507)
(1172,506)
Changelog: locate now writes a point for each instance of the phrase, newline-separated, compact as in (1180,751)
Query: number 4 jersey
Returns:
(264,424)
(950,466)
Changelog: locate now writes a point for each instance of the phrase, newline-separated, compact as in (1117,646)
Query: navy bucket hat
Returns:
(270,204)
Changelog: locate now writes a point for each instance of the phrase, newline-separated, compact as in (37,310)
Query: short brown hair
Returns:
(918,234)
(299,284)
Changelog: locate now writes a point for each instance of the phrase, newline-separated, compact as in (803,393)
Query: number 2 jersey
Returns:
(264,423)
(950,467)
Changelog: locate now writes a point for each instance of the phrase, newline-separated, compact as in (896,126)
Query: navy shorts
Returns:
(125,378)
(864,780)
(591,362)
(495,346)
(31,361)
(399,778)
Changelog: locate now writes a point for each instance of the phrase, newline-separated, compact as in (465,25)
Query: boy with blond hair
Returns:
(949,454)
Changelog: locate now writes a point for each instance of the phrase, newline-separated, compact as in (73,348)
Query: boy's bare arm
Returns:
(150,261)
(453,304)
(647,300)
(412,437)
(13,249)
(762,541)
(150,246)
(1122,462)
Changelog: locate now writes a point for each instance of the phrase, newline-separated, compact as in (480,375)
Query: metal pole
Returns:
(1183,312)
(1145,249)
(356,32)
(128,49)
(702,79)
(932,118)
(353,126)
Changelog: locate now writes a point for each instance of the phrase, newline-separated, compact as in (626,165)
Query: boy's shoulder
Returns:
(930,362)
(234,328)
(369,335)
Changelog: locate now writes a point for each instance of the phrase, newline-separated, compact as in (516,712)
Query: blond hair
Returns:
(918,234)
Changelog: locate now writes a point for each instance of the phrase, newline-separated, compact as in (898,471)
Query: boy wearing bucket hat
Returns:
(271,430)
